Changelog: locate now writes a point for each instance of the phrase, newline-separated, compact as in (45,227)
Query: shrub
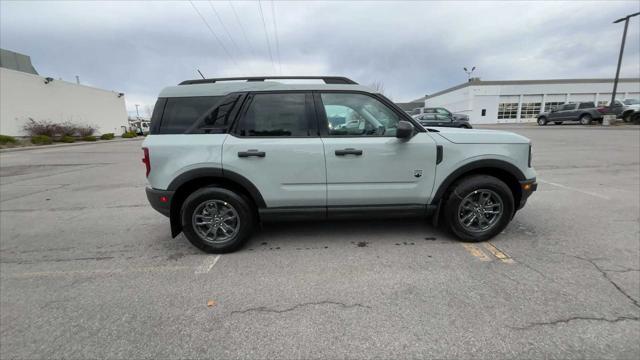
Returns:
(6,139)
(67,139)
(66,128)
(107,136)
(86,130)
(41,127)
(89,138)
(41,140)
(129,135)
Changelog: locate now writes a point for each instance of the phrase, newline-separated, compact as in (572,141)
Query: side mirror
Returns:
(404,130)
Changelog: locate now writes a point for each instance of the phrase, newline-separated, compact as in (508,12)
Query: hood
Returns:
(475,136)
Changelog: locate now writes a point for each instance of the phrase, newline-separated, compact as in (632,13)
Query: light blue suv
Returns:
(226,154)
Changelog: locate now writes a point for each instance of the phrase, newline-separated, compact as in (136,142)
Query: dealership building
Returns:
(25,94)
(515,101)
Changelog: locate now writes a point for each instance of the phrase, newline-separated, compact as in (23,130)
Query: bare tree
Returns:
(378,86)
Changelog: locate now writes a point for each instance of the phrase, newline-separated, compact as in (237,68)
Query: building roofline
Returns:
(527,82)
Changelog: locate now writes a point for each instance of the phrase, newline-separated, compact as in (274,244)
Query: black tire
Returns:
(635,118)
(626,117)
(542,121)
(558,122)
(585,119)
(245,214)
(465,187)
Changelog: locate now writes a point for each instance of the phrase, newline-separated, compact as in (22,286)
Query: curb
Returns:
(40,147)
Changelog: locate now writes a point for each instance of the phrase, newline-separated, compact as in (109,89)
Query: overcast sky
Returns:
(413,48)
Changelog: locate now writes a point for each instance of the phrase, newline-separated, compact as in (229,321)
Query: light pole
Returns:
(469,73)
(137,113)
(615,81)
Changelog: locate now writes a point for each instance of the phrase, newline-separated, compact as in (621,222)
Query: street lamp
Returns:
(469,72)
(615,81)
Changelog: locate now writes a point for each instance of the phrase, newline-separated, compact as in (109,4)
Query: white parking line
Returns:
(574,189)
(208,264)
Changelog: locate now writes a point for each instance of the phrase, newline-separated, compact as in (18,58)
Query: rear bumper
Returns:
(160,200)
(527,187)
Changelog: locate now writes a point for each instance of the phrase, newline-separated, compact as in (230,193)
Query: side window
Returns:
(586,105)
(358,115)
(415,111)
(181,113)
(569,107)
(442,117)
(276,114)
(442,111)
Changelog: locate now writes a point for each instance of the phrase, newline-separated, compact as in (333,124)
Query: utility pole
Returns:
(607,119)
(137,113)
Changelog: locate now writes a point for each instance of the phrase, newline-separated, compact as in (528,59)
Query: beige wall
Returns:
(24,96)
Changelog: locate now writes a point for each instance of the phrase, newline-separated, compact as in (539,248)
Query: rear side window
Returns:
(181,113)
(277,114)
(586,105)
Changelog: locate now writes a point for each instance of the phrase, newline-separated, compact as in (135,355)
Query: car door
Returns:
(275,145)
(570,112)
(366,164)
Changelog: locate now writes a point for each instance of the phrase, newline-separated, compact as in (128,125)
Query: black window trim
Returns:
(234,128)
(321,115)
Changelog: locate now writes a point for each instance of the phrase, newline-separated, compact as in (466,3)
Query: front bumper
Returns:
(527,187)
(160,200)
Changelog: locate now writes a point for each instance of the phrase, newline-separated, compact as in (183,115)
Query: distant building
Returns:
(408,106)
(26,95)
(516,101)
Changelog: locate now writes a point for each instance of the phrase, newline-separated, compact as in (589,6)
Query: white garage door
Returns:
(553,101)
(531,107)
(508,109)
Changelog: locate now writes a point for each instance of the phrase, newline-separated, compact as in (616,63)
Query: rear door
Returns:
(275,145)
(366,163)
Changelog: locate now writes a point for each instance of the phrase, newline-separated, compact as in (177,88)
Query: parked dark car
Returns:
(584,112)
(442,120)
(443,111)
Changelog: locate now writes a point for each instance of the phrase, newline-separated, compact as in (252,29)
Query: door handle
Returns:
(348,151)
(251,152)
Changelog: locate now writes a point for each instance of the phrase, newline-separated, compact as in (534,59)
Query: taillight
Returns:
(146,160)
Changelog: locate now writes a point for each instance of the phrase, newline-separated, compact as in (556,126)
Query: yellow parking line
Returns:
(497,253)
(477,252)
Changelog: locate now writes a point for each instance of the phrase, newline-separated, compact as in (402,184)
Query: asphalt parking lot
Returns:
(88,269)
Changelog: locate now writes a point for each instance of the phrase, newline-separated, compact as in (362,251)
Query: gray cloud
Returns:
(414,48)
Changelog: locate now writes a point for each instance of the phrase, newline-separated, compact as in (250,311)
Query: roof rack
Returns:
(326,79)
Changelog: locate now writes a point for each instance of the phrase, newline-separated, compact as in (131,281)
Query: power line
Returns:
(244,33)
(275,28)
(266,35)
(224,27)
(214,34)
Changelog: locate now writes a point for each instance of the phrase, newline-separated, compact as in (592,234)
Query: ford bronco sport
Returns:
(223,156)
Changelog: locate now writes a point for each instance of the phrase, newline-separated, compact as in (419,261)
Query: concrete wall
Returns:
(473,99)
(24,96)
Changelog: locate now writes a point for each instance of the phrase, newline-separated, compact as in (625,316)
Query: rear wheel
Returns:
(542,121)
(626,117)
(478,208)
(217,220)
(585,119)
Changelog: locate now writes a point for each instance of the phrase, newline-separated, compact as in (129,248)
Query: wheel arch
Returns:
(506,172)
(192,180)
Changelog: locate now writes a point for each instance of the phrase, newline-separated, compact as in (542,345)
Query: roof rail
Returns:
(326,79)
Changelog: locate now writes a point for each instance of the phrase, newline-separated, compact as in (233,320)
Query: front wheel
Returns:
(478,208)
(585,119)
(626,117)
(217,220)
(542,121)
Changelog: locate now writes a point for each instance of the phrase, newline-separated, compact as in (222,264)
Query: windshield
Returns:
(631,102)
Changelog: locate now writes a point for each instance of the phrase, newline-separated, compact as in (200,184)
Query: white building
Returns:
(514,101)
(24,94)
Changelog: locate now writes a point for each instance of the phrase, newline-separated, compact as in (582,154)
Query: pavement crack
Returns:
(298,306)
(606,276)
(575,318)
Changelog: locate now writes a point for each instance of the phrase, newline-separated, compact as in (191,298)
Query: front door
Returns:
(366,163)
(276,146)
